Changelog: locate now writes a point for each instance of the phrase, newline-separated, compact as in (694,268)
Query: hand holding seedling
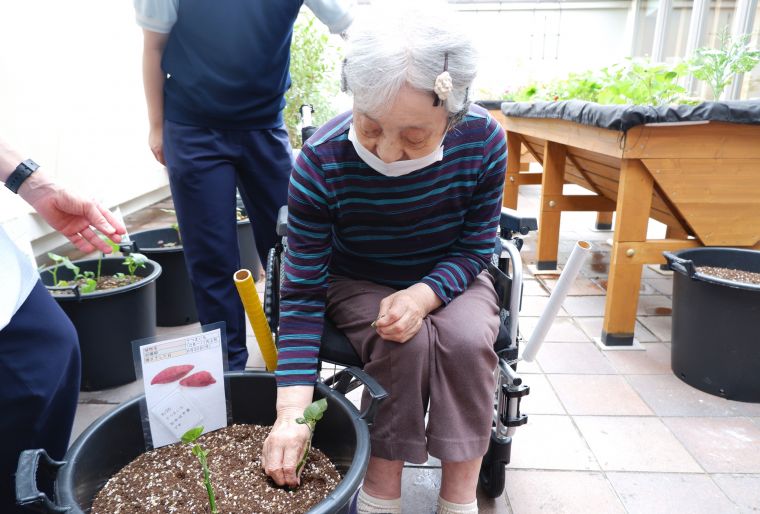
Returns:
(286,448)
(189,438)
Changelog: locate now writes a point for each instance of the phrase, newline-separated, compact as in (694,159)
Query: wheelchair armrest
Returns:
(282,221)
(512,221)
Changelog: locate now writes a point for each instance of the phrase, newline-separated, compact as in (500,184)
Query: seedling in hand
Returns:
(189,438)
(311,415)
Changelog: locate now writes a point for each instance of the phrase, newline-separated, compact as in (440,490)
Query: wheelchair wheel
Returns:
(272,290)
(492,476)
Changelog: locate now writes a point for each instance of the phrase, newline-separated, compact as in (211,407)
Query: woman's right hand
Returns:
(156,143)
(283,449)
(287,440)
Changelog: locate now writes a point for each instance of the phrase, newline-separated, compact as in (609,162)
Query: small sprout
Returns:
(189,438)
(311,415)
(134,261)
(89,286)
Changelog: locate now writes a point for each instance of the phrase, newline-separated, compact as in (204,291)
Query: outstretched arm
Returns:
(69,213)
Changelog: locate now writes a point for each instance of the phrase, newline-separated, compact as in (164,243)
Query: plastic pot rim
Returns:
(154,274)
(697,275)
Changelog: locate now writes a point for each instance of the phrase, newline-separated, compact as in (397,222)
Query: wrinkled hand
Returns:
(156,143)
(284,447)
(400,315)
(72,215)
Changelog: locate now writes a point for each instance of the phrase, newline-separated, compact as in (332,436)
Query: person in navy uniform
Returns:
(215,76)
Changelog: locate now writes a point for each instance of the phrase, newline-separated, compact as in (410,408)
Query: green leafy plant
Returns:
(313,71)
(311,415)
(134,261)
(88,277)
(61,260)
(189,438)
(641,82)
(717,66)
(174,225)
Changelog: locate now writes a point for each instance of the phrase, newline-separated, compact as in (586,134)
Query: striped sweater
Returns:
(436,225)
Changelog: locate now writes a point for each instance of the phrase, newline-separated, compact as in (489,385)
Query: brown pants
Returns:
(448,365)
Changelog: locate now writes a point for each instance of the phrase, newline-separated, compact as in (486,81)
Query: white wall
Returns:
(71,98)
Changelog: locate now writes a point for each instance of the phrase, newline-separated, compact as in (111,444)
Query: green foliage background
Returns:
(315,74)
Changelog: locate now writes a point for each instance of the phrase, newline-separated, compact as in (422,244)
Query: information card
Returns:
(184,385)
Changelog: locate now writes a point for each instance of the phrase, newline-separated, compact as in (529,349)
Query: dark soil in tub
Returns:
(170,480)
(735,275)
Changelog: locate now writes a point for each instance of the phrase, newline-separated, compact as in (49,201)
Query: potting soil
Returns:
(746,277)
(170,479)
(104,282)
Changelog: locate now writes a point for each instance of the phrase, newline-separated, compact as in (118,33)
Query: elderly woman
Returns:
(393,210)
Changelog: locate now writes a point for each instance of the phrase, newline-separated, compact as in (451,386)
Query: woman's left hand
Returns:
(401,314)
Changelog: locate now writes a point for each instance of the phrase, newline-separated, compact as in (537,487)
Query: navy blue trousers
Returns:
(39,385)
(205,166)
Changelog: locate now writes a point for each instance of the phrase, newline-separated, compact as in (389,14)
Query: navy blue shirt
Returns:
(228,62)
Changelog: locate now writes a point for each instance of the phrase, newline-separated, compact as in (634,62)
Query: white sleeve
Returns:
(336,14)
(156,15)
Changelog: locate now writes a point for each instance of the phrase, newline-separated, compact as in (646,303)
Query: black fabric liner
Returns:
(624,117)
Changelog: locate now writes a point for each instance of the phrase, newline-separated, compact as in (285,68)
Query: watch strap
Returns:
(20,174)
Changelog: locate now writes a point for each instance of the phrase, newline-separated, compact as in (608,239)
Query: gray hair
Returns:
(408,46)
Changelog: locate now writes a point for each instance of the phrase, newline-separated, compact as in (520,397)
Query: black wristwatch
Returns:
(20,174)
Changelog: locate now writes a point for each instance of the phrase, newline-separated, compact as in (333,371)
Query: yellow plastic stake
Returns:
(252,305)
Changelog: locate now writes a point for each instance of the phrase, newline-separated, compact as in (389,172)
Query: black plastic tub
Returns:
(116,439)
(108,321)
(715,341)
(175,303)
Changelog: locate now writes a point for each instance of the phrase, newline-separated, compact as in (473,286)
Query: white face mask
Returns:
(393,169)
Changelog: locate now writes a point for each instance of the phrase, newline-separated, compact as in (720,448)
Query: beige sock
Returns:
(446,507)
(367,504)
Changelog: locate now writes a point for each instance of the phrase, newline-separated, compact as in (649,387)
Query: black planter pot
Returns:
(249,255)
(175,303)
(117,438)
(715,345)
(108,321)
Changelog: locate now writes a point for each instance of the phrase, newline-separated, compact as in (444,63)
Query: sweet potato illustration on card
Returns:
(171,374)
(199,379)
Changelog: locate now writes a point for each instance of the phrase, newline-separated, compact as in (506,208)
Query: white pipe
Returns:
(579,255)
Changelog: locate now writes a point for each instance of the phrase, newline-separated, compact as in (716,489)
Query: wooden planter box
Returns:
(700,178)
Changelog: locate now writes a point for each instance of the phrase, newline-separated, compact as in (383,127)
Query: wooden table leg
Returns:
(634,203)
(551,185)
(512,180)
(604,220)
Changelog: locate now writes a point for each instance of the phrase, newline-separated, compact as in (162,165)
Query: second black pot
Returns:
(175,303)
(108,321)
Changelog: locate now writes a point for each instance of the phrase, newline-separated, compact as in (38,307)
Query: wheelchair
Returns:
(507,271)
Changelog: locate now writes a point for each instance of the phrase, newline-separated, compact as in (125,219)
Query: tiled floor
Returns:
(608,431)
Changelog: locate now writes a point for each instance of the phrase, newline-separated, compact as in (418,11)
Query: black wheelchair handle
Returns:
(376,391)
(28,494)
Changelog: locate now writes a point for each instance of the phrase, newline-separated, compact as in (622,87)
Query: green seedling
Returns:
(189,438)
(174,225)
(60,260)
(134,261)
(311,415)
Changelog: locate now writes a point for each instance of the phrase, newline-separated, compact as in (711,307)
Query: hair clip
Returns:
(443,83)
